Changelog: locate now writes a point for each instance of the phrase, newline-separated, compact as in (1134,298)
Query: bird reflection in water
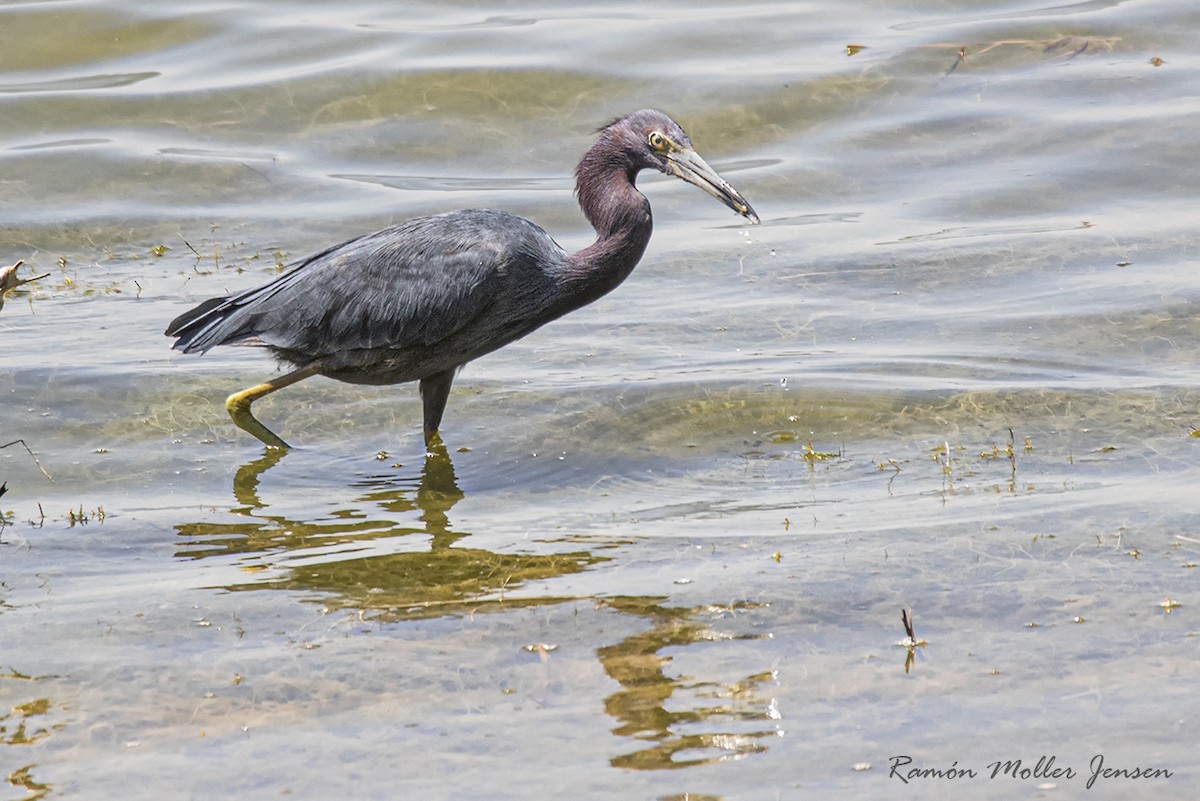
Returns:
(396,581)
(434,495)
(676,721)
(685,721)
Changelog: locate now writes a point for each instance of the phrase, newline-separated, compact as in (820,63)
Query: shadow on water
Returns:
(678,720)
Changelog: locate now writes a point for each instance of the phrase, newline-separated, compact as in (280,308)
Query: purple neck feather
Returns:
(604,184)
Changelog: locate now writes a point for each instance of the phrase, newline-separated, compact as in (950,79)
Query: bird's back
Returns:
(475,279)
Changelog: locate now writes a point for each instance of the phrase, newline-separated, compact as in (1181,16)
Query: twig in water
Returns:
(21,442)
(910,642)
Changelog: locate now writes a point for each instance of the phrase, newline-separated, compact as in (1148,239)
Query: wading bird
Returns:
(418,300)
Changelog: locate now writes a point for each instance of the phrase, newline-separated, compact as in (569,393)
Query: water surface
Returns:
(666,552)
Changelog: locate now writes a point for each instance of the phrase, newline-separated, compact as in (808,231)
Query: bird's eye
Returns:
(657,141)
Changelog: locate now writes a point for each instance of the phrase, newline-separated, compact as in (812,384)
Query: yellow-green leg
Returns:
(238,405)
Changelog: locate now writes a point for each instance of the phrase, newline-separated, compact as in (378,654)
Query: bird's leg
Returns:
(435,390)
(238,404)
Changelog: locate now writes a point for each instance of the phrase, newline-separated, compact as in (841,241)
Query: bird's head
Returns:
(655,141)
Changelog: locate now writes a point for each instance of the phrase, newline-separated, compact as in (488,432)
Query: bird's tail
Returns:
(196,329)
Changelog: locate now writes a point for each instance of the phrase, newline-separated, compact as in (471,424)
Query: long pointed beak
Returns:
(686,163)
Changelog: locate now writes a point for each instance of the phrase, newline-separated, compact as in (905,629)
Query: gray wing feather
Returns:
(416,283)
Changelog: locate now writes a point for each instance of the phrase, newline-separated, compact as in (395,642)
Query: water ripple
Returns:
(79,83)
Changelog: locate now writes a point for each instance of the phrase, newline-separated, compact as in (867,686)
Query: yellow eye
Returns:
(657,141)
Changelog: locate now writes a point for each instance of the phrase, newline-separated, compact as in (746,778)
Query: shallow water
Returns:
(666,554)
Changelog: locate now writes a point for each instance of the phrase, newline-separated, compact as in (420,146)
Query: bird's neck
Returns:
(621,216)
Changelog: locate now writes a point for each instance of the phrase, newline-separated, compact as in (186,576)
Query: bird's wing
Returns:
(413,284)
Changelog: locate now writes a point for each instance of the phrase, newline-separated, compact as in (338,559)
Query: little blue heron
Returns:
(418,300)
